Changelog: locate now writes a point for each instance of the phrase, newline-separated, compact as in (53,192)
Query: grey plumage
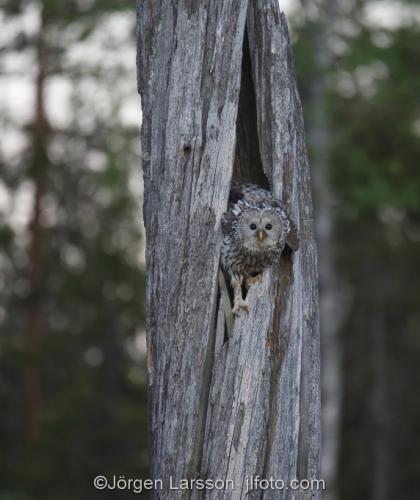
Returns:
(256,228)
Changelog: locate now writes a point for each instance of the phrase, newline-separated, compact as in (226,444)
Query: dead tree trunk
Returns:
(225,409)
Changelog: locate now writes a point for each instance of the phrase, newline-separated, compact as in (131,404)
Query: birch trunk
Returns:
(224,409)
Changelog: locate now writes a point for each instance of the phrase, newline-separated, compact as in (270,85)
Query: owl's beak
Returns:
(261,235)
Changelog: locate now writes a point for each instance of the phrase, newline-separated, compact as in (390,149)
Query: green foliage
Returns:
(93,410)
(373,111)
(376,151)
(90,289)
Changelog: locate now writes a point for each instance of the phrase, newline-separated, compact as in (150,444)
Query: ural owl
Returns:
(256,228)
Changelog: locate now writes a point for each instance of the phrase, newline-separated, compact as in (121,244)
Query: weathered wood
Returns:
(189,73)
(248,406)
(266,378)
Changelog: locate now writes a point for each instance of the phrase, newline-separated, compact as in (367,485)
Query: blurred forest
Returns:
(72,380)
(72,357)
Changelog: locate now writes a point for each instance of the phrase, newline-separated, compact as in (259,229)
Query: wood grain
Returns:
(251,405)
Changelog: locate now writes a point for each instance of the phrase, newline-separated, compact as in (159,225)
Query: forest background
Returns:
(72,346)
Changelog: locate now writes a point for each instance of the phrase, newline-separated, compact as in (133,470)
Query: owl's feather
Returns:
(256,228)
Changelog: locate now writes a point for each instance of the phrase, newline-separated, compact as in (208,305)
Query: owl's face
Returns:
(260,230)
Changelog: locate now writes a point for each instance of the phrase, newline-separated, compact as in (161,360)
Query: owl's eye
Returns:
(253,226)
(268,227)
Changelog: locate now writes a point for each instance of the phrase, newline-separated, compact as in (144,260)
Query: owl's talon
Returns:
(256,228)
(240,305)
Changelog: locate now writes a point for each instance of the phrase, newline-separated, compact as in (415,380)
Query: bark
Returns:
(224,409)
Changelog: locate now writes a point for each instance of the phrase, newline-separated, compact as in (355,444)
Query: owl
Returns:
(256,228)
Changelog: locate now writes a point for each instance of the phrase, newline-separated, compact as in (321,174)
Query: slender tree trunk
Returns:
(225,409)
(380,408)
(35,317)
(331,295)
